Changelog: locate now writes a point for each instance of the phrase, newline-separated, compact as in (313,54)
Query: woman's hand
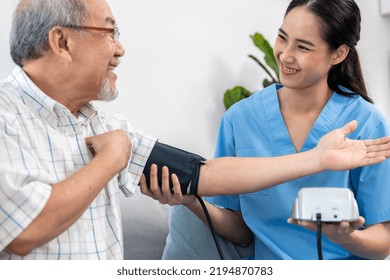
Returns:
(163,193)
(338,232)
(335,231)
(340,153)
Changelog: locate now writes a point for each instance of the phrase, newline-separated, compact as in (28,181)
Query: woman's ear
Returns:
(58,42)
(340,54)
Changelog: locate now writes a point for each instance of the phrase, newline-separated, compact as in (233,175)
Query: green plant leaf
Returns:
(267,83)
(234,95)
(238,93)
(264,46)
(264,67)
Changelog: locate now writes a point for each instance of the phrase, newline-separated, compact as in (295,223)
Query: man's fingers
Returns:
(88,140)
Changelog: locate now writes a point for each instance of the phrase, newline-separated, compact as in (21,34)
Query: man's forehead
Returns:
(100,12)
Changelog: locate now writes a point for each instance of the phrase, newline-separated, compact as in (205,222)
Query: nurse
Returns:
(322,88)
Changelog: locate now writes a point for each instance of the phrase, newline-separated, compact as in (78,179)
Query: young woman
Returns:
(322,88)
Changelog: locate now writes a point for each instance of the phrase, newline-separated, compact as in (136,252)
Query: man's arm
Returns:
(70,197)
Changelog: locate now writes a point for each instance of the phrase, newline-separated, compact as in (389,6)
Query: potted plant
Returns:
(269,65)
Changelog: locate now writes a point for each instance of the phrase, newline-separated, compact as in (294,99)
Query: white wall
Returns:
(385,7)
(181,55)
(5,22)
(374,47)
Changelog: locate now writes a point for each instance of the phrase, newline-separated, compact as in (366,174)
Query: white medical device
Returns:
(332,204)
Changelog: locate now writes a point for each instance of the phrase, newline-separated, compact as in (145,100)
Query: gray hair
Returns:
(32,21)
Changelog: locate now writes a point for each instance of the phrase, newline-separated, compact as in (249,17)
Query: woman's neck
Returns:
(304,101)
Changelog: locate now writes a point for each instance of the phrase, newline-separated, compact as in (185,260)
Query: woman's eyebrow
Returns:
(298,40)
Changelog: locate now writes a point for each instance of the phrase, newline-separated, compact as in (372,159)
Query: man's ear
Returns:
(58,42)
(340,54)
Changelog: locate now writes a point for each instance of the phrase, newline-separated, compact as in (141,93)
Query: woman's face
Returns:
(303,56)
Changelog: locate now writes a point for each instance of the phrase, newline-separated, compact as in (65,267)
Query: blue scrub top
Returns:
(254,127)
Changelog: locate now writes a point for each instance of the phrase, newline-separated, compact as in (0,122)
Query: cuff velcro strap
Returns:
(184,164)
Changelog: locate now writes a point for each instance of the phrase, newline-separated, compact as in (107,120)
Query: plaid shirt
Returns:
(42,143)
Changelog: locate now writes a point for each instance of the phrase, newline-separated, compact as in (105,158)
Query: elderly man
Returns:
(63,162)
(51,184)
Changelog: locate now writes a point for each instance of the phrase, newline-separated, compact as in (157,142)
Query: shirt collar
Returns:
(46,107)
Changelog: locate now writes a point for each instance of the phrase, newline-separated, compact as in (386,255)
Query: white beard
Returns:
(106,92)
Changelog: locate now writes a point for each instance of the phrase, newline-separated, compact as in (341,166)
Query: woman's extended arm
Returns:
(231,175)
(235,175)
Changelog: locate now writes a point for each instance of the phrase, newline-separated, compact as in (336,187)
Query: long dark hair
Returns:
(340,21)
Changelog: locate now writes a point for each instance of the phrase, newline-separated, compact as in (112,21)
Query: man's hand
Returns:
(115,145)
(111,152)
(340,153)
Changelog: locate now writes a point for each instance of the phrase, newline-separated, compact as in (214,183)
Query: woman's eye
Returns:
(303,48)
(282,37)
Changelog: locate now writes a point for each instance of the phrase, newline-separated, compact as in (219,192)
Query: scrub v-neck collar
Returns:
(323,124)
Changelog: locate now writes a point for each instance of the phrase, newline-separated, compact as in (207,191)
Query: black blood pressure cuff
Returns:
(184,164)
